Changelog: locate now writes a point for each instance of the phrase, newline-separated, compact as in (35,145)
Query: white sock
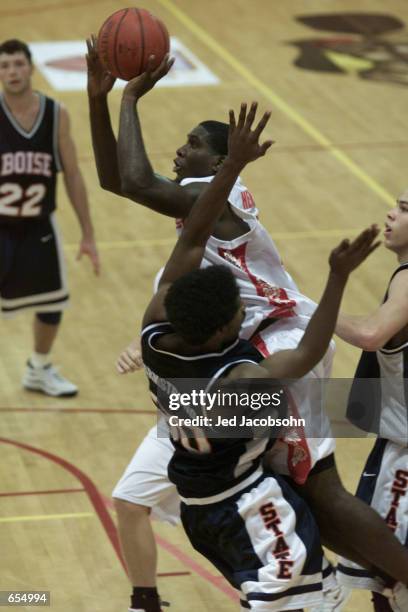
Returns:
(39,360)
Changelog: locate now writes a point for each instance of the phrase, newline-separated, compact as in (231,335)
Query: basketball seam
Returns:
(142,40)
(115,59)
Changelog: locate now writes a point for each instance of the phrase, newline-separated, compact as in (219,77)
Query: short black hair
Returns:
(217,136)
(16,46)
(201,302)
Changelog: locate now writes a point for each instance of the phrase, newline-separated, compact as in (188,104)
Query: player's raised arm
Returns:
(243,147)
(100,82)
(139,182)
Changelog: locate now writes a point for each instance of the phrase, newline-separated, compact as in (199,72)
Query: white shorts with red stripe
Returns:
(300,449)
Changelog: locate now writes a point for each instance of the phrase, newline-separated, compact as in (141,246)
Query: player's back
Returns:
(266,287)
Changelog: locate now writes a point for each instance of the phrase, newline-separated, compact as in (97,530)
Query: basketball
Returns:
(128,38)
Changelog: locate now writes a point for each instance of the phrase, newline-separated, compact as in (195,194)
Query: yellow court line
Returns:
(106,245)
(279,102)
(45,517)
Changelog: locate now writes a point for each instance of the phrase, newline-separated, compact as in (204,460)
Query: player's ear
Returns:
(219,160)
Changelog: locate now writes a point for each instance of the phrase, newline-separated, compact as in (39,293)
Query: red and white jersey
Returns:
(266,288)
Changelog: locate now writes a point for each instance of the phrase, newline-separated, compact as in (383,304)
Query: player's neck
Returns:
(403,256)
(20,102)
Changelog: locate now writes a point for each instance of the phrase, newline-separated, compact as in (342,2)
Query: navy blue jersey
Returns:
(201,467)
(29,163)
(380,405)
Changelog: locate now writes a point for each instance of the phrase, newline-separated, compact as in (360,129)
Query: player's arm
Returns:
(139,182)
(373,331)
(243,147)
(100,82)
(76,190)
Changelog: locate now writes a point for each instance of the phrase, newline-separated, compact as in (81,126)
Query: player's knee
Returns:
(49,318)
(125,509)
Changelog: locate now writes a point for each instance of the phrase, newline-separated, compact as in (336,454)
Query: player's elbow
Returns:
(371,340)
(110,186)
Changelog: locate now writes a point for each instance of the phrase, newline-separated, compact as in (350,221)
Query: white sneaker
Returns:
(398,598)
(334,600)
(48,380)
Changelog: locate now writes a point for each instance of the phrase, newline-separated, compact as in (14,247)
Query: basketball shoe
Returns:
(48,380)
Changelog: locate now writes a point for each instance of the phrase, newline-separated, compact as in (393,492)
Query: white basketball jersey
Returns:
(266,288)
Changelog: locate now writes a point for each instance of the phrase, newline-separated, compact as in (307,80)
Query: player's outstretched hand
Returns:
(348,255)
(130,360)
(100,81)
(139,86)
(243,141)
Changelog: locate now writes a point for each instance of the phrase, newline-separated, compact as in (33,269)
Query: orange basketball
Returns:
(128,38)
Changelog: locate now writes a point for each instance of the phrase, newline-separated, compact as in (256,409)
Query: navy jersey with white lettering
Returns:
(380,404)
(29,162)
(201,467)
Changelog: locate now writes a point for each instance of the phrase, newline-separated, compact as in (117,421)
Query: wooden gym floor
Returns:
(341,125)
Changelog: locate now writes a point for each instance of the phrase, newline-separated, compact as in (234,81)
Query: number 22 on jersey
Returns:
(28,199)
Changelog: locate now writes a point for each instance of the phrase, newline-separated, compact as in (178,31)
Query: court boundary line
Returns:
(268,93)
(91,490)
(101,504)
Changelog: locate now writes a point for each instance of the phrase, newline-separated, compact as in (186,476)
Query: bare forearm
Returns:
(104,144)
(136,172)
(205,213)
(76,191)
(322,324)
(351,329)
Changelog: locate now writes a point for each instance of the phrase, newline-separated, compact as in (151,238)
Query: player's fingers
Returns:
(170,63)
(96,263)
(366,235)
(265,146)
(374,246)
(344,244)
(242,115)
(94,40)
(125,363)
(232,120)
(251,115)
(150,64)
(262,123)
(122,367)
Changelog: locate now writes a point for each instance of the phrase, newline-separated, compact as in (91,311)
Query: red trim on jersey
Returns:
(298,460)
(282,305)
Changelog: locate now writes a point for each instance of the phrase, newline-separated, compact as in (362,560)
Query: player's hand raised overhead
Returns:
(243,141)
(348,255)
(141,85)
(100,81)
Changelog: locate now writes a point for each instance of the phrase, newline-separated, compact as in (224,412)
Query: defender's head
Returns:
(204,151)
(16,66)
(396,227)
(204,305)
